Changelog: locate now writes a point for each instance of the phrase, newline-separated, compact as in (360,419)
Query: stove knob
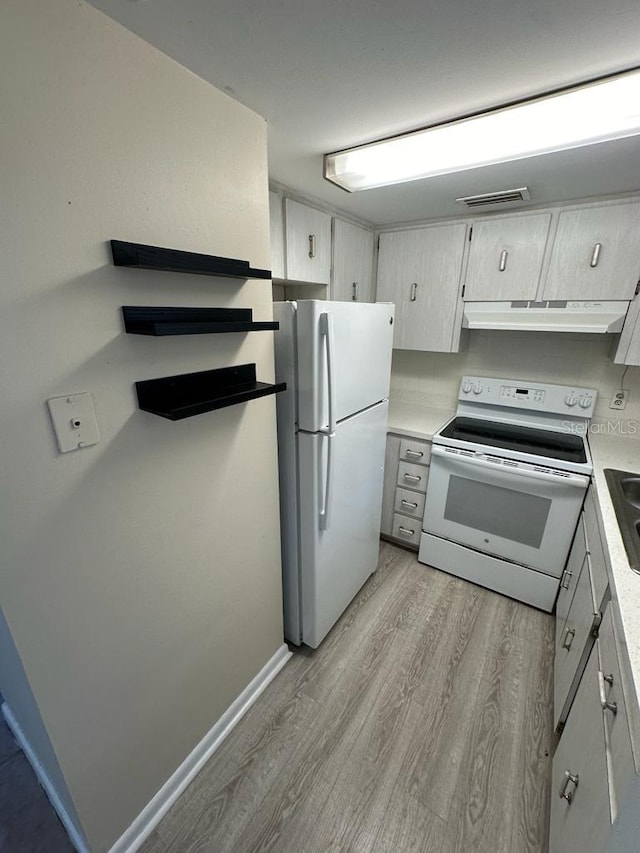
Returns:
(466,387)
(585,401)
(570,400)
(477,388)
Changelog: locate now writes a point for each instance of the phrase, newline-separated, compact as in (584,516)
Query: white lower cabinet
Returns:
(581,602)
(405,484)
(574,641)
(580,814)
(594,773)
(620,765)
(593,767)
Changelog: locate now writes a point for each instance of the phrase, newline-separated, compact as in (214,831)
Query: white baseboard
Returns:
(155,810)
(75,835)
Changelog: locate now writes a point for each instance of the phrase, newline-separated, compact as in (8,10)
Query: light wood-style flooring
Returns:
(422,723)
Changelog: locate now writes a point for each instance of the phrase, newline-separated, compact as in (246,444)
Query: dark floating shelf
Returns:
(174,260)
(147,320)
(178,397)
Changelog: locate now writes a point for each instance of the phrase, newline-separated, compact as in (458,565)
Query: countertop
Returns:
(414,420)
(612,451)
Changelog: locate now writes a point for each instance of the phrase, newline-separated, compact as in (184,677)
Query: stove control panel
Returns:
(515,392)
(534,396)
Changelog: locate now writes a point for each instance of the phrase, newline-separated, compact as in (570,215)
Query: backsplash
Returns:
(432,379)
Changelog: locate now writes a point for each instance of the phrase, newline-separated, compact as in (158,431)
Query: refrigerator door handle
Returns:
(326,330)
(326,502)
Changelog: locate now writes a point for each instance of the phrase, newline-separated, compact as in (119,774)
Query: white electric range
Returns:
(508,477)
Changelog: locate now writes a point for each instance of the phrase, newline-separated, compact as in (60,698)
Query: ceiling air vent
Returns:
(499,197)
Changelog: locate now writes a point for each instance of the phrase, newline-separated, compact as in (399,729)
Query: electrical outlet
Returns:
(618,399)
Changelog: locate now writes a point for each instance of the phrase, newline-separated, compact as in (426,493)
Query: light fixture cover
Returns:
(597,112)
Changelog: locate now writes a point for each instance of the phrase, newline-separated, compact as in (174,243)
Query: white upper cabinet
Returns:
(352,277)
(595,254)
(628,351)
(505,258)
(419,270)
(307,242)
(276,221)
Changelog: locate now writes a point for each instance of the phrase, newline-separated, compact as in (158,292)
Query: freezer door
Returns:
(344,359)
(340,503)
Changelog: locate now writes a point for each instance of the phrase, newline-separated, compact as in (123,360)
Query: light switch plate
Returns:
(74,421)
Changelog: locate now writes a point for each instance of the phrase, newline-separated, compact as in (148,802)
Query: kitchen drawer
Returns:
(414,450)
(412,476)
(619,755)
(595,549)
(406,529)
(573,643)
(409,503)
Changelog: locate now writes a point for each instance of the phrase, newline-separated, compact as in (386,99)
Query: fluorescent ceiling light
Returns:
(600,111)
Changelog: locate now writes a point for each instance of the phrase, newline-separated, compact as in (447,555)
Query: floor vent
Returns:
(500,197)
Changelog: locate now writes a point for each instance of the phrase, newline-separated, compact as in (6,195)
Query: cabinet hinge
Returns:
(595,625)
(637,288)
(470,233)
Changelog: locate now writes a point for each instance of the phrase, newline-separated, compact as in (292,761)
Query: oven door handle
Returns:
(579,480)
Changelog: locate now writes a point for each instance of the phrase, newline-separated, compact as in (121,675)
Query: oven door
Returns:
(507,509)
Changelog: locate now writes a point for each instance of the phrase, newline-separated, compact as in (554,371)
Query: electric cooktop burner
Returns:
(567,447)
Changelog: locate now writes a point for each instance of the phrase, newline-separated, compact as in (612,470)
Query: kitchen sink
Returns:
(624,488)
(631,489)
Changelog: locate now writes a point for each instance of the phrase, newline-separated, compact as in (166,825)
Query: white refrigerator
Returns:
(336,360)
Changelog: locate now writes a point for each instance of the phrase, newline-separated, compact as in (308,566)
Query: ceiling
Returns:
(332,74)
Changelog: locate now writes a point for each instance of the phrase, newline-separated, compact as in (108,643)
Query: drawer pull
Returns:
(410,504)
(564,583)
(569,779)
(568,638)
(417,454)
(606,705)
(412,478)
(405,531)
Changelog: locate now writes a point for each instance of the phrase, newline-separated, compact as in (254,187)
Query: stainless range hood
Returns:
(554,316)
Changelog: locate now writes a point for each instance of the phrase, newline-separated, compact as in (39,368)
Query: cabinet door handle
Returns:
(568,638)
(413,478)
(606,705)
(410,504)
(312,245)
(503,260)
(414,291)
(405,531)
(567,575)
(354,287)
(569,779)
(595,255)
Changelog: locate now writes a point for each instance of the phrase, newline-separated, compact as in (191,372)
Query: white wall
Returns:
(18,696)
(140,578)
(580,359)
